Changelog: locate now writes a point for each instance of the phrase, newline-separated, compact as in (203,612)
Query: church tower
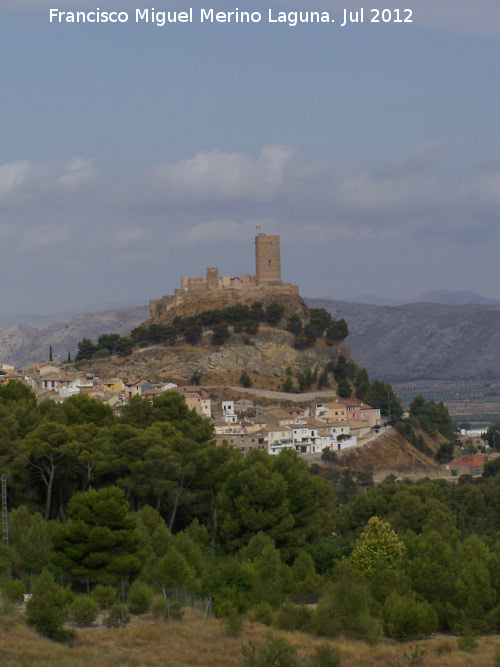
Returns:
(267,260)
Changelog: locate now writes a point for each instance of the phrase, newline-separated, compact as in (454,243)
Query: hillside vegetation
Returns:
(112,517)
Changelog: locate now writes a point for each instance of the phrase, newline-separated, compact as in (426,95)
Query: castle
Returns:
(267,279)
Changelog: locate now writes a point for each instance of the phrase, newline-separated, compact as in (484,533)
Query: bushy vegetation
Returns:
(147,501)
(240,317)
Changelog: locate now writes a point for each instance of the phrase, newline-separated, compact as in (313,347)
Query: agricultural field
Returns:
(461,397)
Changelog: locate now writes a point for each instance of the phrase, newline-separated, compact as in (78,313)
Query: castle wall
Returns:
(268,277)
(267,259)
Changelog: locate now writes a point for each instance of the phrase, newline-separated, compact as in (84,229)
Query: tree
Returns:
(124,346)
(382,396)
(29,537)
(288,385)
(378,542)
(98,541)
(193,334)
(323,380)
(445,452)
(319,322)
(362,384)
(48,449)
(108,341)
(337,331)
(305,380)
(294,325)
(274,313)
(195,378)
(493,436)
(47,610)
(344,388)
(86,349)
(220,333)
(51,358)
(245,380)
(407,618)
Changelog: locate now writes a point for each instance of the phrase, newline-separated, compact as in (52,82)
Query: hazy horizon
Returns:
(133,154)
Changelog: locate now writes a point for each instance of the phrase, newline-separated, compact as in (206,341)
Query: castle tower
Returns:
(212,278)
(267,260)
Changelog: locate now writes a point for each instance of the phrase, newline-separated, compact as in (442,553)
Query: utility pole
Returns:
(5,518)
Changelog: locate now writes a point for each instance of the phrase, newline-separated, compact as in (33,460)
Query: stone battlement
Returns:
(212,286)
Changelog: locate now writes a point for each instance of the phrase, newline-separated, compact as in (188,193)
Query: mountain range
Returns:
(413,341)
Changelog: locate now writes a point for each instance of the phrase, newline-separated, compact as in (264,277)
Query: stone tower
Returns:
(213,278)
(267,260)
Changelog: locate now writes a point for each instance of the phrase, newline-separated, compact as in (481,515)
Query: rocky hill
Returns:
(421,340)
(409,342)
(266,358)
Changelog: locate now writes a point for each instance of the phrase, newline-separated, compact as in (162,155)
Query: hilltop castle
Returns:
(267,279)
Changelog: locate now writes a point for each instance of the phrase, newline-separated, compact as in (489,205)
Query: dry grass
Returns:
(205,643)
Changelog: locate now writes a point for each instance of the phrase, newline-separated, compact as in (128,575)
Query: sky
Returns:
(133,154)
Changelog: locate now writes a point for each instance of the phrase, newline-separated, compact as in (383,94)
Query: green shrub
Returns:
(47,610)
(325,655)
(14,590)
(405,618)
(293,617)
(346,610)
(274,652)
(103,595)
(7,607)
(84,610)
(175,611)
(159,607)
(116,617)
(263,613)
(139,598)
(234,624)
(467,642)
(223,607)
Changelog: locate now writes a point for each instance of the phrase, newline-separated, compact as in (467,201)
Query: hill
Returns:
(421,340)
(23,344)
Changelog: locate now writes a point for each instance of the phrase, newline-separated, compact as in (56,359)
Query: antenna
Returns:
(5,518)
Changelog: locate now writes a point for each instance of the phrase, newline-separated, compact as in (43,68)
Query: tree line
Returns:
(241,318)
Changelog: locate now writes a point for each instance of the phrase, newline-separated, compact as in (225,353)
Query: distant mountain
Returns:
(421,340)
(24,343)
(374,300)
(414,341)
(455,298)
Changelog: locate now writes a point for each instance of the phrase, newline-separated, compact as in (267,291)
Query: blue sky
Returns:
(133,154)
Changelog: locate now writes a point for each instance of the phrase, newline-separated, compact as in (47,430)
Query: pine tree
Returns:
(69,357)
(51,358)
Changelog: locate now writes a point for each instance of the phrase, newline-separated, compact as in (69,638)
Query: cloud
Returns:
(45,235)
(26,182)
(217,176)
(215,231)
(220,196)
(121,238)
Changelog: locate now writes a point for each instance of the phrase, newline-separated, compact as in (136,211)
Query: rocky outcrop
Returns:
(195,302)
(271,352)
